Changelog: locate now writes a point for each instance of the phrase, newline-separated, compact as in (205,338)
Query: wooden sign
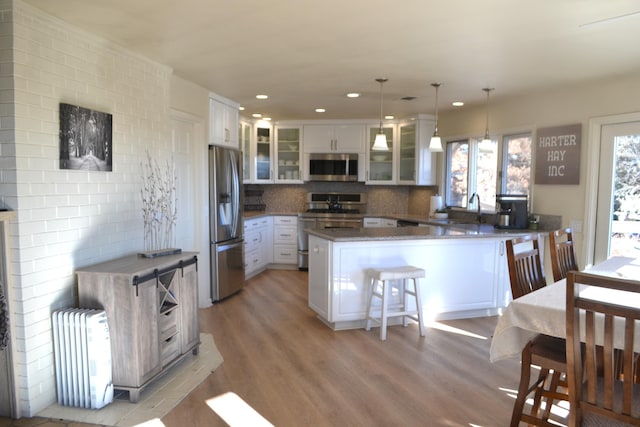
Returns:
(558,155)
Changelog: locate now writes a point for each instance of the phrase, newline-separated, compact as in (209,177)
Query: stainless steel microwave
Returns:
(332,167)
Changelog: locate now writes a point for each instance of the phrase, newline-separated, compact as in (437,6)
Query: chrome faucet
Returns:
(477,196)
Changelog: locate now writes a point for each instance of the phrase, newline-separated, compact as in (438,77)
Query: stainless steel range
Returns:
(328,210)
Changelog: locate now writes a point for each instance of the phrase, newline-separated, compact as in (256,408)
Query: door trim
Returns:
(11,360)
(593,168)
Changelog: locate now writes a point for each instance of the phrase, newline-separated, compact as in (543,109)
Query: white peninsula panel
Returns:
(465,276)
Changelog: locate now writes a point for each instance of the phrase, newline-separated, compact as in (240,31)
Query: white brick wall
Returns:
(67,219)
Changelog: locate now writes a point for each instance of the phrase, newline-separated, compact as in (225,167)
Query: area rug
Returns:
(156,400)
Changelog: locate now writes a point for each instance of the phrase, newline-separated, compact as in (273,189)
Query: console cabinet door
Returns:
(189,330)
(132,316)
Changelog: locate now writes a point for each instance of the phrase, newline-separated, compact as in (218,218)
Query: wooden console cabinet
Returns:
(152,312)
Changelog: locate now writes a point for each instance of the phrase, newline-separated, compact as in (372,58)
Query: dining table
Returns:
(544,311)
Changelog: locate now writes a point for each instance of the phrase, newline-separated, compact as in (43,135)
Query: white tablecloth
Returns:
(544,311)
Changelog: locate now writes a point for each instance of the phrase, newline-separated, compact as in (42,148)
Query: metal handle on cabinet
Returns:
(501,247)
(227,135)
(316,250)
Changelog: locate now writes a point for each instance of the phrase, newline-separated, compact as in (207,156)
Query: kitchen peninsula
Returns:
(465,264)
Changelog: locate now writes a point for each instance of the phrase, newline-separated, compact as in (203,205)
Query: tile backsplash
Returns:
(380,199)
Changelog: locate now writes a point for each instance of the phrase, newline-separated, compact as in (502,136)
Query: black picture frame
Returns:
(85,139)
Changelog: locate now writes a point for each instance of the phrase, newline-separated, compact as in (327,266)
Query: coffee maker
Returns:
(513,211)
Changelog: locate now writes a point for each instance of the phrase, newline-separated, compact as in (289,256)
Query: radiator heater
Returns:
(82,351)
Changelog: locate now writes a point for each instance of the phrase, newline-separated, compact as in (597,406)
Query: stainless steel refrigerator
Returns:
(225,225)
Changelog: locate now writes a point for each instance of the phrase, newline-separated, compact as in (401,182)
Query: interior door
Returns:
(183,140)
(618,197)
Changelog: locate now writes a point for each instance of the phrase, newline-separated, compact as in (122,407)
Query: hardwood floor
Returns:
(295,371)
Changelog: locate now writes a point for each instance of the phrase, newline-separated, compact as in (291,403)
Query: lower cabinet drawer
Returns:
(170,349)
(168,323)
(285,254)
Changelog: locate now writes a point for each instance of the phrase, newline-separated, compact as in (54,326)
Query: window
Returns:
(517,164)
(472,167)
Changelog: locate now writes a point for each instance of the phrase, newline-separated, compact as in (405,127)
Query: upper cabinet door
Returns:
(350,138)
(334,138)
(416,164)
(380,164)
(244,132)
(264,155)
(288,155)
(223,122)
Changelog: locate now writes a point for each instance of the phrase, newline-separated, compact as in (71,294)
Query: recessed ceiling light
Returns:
(457,103)
(389,117)
(266,118)
(353,95)
(241,108)
(320,110)
(262,96)
(257,115)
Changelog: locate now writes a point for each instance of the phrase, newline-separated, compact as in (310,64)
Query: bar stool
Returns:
(384,277)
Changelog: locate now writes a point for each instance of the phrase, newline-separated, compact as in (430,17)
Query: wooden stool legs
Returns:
(382,278)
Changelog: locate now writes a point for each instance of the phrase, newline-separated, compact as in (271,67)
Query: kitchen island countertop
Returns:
(426,231)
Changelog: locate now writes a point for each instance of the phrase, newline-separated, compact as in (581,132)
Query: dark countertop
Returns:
(451,231)
(430,228)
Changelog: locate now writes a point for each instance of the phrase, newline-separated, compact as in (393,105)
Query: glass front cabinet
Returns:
(380,164)
(263,157)
(244,135)
(288,161)
(416,164)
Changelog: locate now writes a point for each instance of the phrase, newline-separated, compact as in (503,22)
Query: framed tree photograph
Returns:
(85,139)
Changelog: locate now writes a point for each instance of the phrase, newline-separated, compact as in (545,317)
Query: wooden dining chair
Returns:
(601,318)
(527,275)
(563,253)
(525,268)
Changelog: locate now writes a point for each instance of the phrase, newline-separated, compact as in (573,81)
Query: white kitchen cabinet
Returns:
(416,164)
(223,121)
(285,240)
(258,240)
(263,158)
(288,158)
(334,138)
(372,222)
(244,135)
(464,277)
(381,165)
(320,286)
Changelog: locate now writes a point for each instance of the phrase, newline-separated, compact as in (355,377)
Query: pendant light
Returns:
(486,145)
(435,145)
(380,143)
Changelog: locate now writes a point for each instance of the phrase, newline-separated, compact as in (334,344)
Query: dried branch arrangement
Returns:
(159,204)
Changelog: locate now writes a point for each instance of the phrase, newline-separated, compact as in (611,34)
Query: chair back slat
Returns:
(525,268)
(601,327)
(563,253)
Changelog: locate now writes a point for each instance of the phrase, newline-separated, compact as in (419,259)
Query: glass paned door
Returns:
(618,209)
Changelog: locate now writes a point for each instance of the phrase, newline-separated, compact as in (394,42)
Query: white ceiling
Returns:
(308,54)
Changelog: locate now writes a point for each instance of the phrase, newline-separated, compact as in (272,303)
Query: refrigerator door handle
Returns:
(227,246)
(235,193)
